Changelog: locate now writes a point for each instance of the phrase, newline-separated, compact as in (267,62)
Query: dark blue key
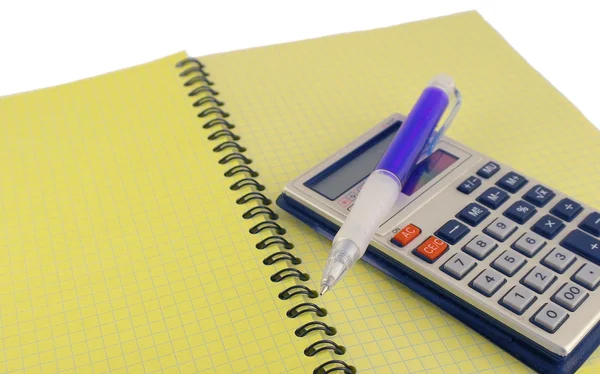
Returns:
(512,182)
(567,209)
(493,197)
(591,224)
(469,185)
(539,195)
(488,170)
(548,226)
(583,244)
(452,231)
(473,214)
(520,212)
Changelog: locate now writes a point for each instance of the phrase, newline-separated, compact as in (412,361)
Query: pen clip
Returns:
(435,136)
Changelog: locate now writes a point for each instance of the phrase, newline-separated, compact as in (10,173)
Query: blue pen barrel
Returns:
(412,136)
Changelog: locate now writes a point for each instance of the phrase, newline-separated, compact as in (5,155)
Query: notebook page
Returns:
(297,103)
(123,247)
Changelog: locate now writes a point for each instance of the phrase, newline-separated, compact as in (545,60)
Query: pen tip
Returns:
(324,289)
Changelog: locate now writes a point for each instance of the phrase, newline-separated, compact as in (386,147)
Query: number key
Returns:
(488,282)
(559,260)
(539,279)
(518,299)
(501,228)
(529,244)
(570,296)
(550,317)
(480,246)
(459,265)
(509,262)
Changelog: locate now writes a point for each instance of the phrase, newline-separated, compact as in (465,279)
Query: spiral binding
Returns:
(210,105)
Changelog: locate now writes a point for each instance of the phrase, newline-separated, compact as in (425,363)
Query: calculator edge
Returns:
(521,347)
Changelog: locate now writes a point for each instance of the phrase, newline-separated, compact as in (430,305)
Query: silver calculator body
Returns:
(488,236)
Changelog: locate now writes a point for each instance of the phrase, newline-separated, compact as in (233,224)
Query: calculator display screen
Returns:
(356,166)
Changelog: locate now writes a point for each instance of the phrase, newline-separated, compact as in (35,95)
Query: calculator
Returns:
(513,258)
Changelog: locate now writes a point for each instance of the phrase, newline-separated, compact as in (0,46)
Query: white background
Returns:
(52,42)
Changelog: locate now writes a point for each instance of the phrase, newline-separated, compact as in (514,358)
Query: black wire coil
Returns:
(209,105)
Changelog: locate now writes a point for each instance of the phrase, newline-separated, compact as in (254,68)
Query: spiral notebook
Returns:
(139,232)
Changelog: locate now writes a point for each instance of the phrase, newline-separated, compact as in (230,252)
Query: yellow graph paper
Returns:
(123,248)
(297,103)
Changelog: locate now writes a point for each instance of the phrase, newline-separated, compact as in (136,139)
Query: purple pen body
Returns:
(407,145)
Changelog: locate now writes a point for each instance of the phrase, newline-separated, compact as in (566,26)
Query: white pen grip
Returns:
(374,202)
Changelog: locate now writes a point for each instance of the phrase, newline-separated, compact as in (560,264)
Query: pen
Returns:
(383,186)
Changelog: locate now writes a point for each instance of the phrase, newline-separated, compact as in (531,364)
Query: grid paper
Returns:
(297,103)
(123,248)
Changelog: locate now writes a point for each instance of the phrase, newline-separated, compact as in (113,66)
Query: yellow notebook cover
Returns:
(124,249)
(295,104)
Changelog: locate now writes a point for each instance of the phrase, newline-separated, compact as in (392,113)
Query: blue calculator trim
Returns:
(528,352)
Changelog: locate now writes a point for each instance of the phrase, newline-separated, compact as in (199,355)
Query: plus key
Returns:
(583,244)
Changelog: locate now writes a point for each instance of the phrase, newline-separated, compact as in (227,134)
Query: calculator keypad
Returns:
(559,260)
(588,276)
(509,262)
(493,197)
(480,246)
(453,231)
(488,170)
(567,209)
(529,244)
(469,185)
(488,282)
(539,279)
(473,214)
(459,265)
(518,246)
(501,228)
(570,296)
(583,244)
(548,226)
(520,212)
(512,182)
(539,195)
(550,317)
(518,299)
(591,224)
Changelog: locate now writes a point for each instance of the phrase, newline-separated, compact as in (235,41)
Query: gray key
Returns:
(570,296)
(509,262)
(480,246)
(501,228)
(488,282)
(459,265)
(550,317)
(518,299)
(559,259)
(529,244)
(588,276)
(539,279)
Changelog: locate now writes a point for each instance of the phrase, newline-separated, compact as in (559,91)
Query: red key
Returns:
(406,235)
(431,249)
